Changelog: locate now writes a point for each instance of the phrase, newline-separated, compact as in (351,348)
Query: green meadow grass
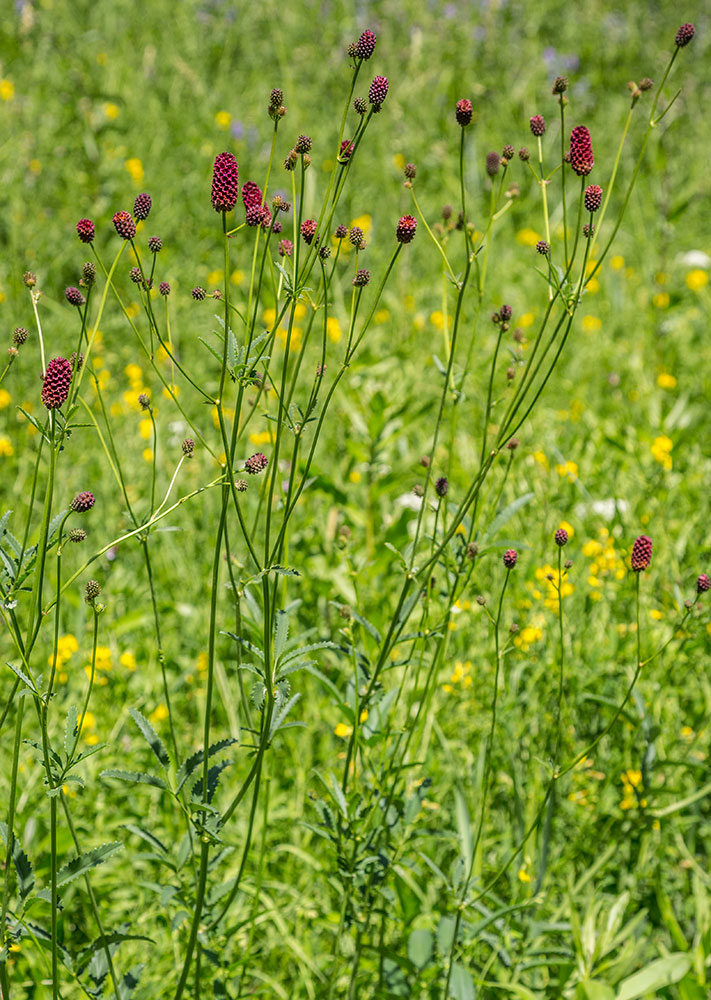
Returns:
(607,877)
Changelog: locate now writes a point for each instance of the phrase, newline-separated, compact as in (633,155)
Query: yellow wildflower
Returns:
(333,329)
(661,449)
(159,713)
(7,90)
(135,169)
(527,237)
(617,263)
(223,119)
(697,279)
(568,470)
(6,449)
(343,731)
(666,381)
(660,300)
(128,660)
(591,324)
(111,110)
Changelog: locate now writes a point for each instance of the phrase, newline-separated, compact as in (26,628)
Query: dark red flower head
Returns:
(86,230)
(703,584)
(561,537)
(225,182)
(543,248)
(74,297)
(83,502)
(406,229)
(362,278)
(510,558)
(341,232)
(164,288)
(378,92)
(684,35)
(124,225)
(303,144)
(346,149)
(493,162)
(442,486)
(538,125)
(198,293)
(142,206)
(365,46)
(286,248)
(641,553)
(581,151)
(464,112)
(308,230)
(155,244)
(256,464)
(55,386)
(593,198)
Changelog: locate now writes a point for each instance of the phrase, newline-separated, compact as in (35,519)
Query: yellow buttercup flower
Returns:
(666,381)
(697,279)
(7,90)
(223,119)
(135,169)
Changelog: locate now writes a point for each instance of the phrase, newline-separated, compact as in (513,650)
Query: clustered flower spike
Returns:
(286,248)
(83,502)
(155,244)
(442,486)
(360,106)
(142,206)
(362,278)
(493,161)
(581,151)
(164,288)
(256,464)
(74,297)
(135,275)
(92,591)
(19,336)
(308,230)
(593,198)
(464,112)
(124,225)
(510,558)
(346,150)
(303,144)
(88,273)
(365,46)
(410,171)
(55,386)
(356,237)
(703,584)
(406,229)
(225,182)
(378,92)
(144,401)
(188,447)
(86,230)
(641,553)
(523,154)
(561,537)
(543,248)
(76,535)
(198,293)
(341,232)
(560,85)
(538,125)
(684,35)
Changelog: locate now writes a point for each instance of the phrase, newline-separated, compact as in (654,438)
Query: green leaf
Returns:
(154,741)
(85,862)
(594,989)
(506,514)
(139,777)
(461,985)
(23,867)
(23,677)
(420,946)
(664,972)
(213,777)
(114,937)
(146,835)
(278,718)
(189,765)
